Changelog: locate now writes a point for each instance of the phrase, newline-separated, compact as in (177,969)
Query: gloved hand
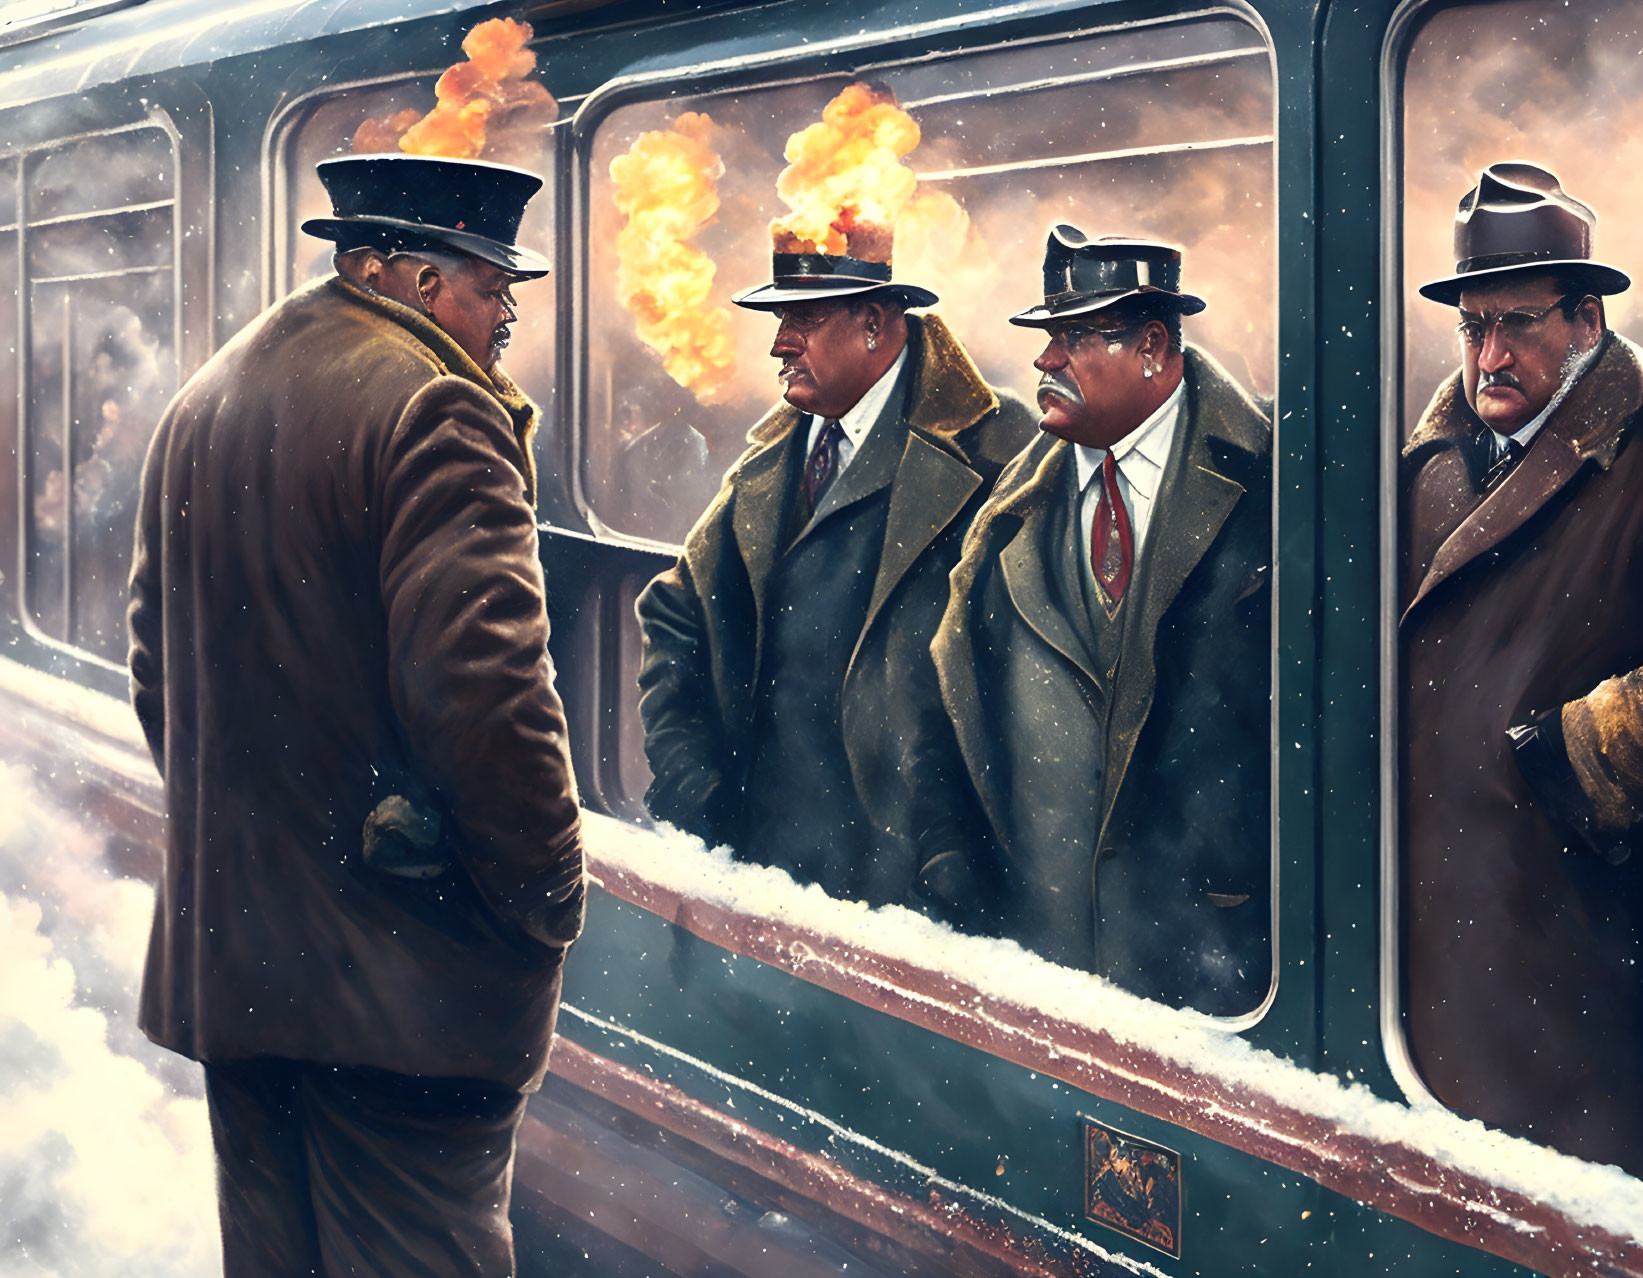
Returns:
(1542,758)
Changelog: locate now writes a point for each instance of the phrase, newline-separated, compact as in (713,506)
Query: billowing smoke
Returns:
(487,93)
(1515,81)
(105,1152)
(667,189)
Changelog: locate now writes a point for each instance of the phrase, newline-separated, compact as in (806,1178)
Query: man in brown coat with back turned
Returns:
(1522,647)
(339,656)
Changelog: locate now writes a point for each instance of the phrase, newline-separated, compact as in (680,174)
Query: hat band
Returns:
(820,266)
(1494,261)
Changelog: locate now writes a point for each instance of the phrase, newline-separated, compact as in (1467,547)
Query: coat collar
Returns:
(1588,428)
(455,361)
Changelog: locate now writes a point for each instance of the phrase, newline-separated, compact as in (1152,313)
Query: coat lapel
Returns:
(998,525)
(760,512)
(1194,501)
(931,487)
(1029,559)
(1587,427)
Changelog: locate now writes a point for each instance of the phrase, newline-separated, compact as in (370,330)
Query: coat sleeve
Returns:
(144,620)
(684,737)
(469,672)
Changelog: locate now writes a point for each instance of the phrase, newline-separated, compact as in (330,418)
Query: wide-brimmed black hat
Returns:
(1517,218)
(811,277)
(1083,275)
(468,205)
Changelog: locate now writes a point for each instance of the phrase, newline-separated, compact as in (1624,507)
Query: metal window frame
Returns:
(1400,34)
(188,126)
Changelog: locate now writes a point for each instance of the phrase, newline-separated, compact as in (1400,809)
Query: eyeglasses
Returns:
(1514,325)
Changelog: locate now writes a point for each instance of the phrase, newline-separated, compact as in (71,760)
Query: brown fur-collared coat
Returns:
(703,620)
(1524,994)
(336,597)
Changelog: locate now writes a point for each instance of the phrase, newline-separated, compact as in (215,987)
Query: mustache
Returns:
(1058,384)
(1502,378)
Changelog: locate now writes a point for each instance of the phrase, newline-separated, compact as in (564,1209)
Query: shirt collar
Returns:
(1150,441)
(859,420)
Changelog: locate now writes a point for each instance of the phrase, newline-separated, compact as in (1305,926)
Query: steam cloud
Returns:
(105,1152)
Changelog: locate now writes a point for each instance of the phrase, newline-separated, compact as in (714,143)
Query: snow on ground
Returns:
(1004,972)
(105,1152)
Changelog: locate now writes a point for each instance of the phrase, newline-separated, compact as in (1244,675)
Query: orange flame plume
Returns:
(845,181)
(473,98)
(850,192)
(667,187)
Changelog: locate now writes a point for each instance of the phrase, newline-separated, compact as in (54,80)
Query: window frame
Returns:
(750,934)
(184,115)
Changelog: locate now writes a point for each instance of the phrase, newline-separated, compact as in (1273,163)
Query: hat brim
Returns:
(1604,280)
(510,257)
(1043,316)
(770,297)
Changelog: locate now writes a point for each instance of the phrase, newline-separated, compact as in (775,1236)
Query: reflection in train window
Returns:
(1120,824)
(373,117)
(1163,131)
(1519,580)
(98,221)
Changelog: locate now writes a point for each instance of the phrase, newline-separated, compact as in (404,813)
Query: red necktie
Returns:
(1112,544)
(824,460)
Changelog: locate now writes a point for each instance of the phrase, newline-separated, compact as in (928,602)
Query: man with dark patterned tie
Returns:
(1522,710)
(818,571)
(1091,743)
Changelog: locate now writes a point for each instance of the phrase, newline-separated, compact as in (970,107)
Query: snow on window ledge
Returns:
(1451,1175)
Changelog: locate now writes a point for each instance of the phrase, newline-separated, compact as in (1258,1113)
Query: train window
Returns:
(1161,131)
(1164,131)
(1518,624)
(97,219)
(371,117)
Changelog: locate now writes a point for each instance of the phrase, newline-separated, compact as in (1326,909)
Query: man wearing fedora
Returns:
(339,657)
(818,571)
(1091,762)
(1522,642)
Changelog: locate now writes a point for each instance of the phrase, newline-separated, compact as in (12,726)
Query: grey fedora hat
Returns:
(468,205)
(1083,275)
(1518,218)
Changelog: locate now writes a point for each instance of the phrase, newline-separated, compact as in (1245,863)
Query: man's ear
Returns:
(1590,313)
(430,284)
(1154,346)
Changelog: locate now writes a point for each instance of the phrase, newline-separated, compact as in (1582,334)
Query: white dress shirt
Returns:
(859,420)
(1140,457)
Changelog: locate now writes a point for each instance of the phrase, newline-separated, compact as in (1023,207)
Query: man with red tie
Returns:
(820,570)
(1092,742)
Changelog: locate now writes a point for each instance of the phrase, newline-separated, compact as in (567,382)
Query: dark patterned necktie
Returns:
(824,460)
(1112,543)
(1502,465)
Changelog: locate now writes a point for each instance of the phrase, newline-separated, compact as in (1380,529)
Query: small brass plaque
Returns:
(1133,1186)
